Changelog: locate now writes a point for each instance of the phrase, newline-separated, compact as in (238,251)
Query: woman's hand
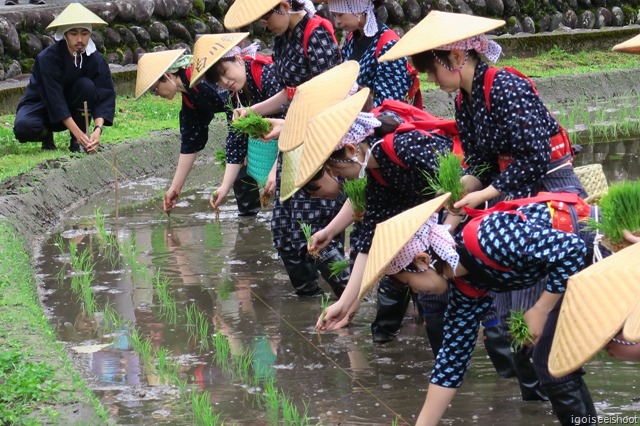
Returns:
(535,319)
(170,199)
(270,184)
(319,240)
(94,140)
(630,237)
(335,316)
(217,197)
(276,128)
(239,113)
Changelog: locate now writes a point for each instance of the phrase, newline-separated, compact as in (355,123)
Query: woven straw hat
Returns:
(76,13)
(593,180)
(209,49)
(438,29)
(245,12)
(630,46)
(314,96)
(290,162)
(598,301)
(391,236)
(324,132)
(151,66)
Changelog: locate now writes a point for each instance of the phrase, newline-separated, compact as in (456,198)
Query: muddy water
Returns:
(231,275)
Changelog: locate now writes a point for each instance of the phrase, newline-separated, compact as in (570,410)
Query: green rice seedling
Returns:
(270,400)
(306,230)
(59,242)
(202,321)
(447,178)
(113,320)
(243,363)
(619,209)
(356,191)
(325,302)
(87,297)
(202,410)
(168,309)
(222,351)
(190,311)
(519,329)
(162,355)
(253,125)
(338,266)
(220,157)
(100,225)
(143,348)
(225,288)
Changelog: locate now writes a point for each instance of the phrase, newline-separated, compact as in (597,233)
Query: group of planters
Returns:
(326,135)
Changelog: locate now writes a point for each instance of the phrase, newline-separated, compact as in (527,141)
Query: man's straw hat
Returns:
(630,46)
(439,29)
(151,66)
(244,12)
(209,49)
(290,162)
(598,301)
(314,96)
(324,132)
(76,13)
(391,236)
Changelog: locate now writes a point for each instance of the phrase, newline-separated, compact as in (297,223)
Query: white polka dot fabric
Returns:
(480,44)
(363,126)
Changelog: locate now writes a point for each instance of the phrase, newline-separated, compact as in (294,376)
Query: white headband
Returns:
(91,46)
(430,235)
(250,51)
(355,7)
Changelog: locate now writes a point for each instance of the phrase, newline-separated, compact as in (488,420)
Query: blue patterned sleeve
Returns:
(323,51)
(392,79)
(461,326)
(525,120)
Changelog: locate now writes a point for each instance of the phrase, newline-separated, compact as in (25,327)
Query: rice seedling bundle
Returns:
(447,178)
(306,230)
(619,209)
(519,329)
(252,124)
(356,191)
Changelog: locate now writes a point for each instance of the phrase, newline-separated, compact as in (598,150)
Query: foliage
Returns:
(251,124)
(447,177)
(519,329)
(338,266)
(619,209)
(356,191)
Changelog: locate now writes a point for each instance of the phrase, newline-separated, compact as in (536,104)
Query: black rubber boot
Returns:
(47,143)
(247,192)
(337,282)
(530,388)
(434,324)
(572,400)
(393,301)
(303,274)
(498,346)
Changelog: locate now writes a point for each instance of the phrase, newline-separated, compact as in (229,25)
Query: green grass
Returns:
(43,380)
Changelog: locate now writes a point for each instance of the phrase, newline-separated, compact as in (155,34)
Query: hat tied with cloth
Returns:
(355,7)
(152,66)
(430,236)
(391,237)
(244,12)
(211,48)
(76,16)
(446,31)
(599,301)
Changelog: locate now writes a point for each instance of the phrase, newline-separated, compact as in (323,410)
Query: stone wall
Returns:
(139,26)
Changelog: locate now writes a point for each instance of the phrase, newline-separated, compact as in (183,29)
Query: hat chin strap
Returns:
(367,156)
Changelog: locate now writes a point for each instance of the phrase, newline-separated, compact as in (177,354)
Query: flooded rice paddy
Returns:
(182,320)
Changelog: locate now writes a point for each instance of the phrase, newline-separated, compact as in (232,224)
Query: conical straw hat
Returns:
(209,49)
(391,236)
(631,330)
(438,29)
(314,96)
(290,162)
(598,301)
(245,12)
(76,13)
(630,46)
(151,66)
(324,132)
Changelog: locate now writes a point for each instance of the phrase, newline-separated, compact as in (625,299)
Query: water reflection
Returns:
(229,274)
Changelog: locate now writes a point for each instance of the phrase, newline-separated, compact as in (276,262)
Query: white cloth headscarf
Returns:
(355,7)
(91,46)
(433,236)
(308,7)
(250,51)
(480,44)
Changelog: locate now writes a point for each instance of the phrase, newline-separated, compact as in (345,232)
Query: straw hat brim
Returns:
(76,13)
(596,304)
(313,97)
(391,236)
(290,162)
(324,133)
(439,29)
(209,49)
(630,46)
(593,180)
(151,66)
(631,330)
(245,12)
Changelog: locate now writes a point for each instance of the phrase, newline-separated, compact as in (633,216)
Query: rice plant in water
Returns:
(356,191)
(447,178)
(306,230)
(338,266)
(168,308)
(619,209)
(202,410)
(252,124)
(519,329)
(325,301)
